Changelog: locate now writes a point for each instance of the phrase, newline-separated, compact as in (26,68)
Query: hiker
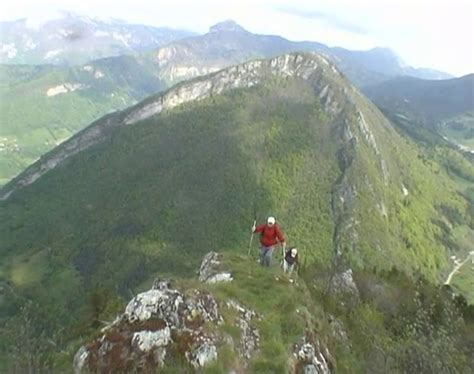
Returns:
(290,259)
(270,235)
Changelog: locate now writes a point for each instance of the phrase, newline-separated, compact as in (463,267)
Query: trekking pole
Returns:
(282,257)
(251,238)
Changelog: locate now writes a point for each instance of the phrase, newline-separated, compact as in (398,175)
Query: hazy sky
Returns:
(435,33)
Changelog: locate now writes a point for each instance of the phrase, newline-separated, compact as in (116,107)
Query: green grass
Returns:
(394,312)
(463,281)
(280,303)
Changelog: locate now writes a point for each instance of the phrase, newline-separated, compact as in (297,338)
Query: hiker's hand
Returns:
(283,245)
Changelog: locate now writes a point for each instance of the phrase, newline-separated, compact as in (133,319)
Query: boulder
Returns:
(154,323)
(211,270)
(342,284)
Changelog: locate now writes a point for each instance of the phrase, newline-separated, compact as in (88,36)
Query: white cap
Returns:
(271,220)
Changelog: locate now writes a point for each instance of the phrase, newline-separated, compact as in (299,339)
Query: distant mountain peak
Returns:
(227,25)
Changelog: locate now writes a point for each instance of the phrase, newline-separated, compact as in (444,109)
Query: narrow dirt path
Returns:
(459,266)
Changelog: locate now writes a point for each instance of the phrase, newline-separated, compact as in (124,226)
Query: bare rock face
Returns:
(154,323)
(211,270)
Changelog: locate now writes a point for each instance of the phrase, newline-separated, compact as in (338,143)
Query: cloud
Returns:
(325,17)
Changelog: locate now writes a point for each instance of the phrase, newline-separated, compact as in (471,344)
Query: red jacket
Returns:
(270,234)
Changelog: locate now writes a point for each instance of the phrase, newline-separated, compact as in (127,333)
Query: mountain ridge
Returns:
(198,88)
(380,60)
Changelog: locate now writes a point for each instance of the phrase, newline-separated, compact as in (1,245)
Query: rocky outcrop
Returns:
(165,323)
(250,336)
(211,270)
(310,357)
(311,67)
(342,284)
(155,323)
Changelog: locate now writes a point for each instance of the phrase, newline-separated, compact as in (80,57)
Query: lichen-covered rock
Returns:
(202,305)
(211,270)
(166,324)
(155,324)
(203,351)
(162,304)
(145,341)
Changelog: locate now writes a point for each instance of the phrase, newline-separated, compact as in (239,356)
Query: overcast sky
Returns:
(436,34)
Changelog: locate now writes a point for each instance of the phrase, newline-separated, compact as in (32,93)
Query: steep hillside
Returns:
(431,100)
(439,115)
(149,190)
(445,107)
(72,39)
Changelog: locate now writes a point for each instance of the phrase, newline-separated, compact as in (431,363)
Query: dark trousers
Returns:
(266,254)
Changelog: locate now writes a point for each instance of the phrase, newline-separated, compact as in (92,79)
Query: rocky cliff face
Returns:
(303,66)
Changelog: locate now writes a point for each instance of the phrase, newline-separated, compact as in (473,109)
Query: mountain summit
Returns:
(227,25)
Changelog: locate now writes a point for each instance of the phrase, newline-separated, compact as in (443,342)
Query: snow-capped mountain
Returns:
(73,39)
